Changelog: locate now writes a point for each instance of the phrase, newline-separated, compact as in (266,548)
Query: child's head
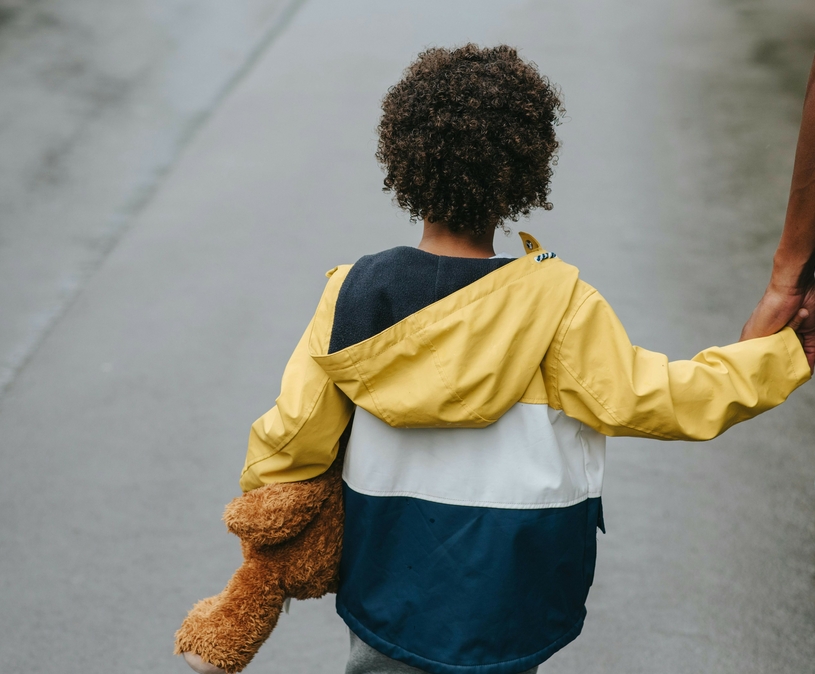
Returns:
(467,138)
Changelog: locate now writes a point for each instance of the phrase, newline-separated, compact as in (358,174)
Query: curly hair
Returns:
(467,137)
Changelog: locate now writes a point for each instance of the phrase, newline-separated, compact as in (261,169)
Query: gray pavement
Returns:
(98,100)
(123,432)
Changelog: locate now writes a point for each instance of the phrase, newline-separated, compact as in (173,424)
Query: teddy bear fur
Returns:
(291,538)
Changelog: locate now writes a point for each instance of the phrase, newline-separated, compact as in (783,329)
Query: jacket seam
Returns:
(382,414)
(584,449)
(559,343)
(498,505)
(287,439)
(429,346)
(614,416)
(791,363)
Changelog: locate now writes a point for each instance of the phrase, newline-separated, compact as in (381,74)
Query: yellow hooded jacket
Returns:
(473,474)
(530,332)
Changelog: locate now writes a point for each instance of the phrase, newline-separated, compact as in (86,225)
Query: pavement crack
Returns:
(144,189)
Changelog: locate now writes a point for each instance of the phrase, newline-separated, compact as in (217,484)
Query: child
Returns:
(482,388)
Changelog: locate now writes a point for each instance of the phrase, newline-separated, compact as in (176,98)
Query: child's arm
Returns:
(595,375)
(299,437)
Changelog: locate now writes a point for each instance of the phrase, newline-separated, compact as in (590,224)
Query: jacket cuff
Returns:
(798,360)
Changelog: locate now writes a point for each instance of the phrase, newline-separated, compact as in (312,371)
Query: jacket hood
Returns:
(461,361)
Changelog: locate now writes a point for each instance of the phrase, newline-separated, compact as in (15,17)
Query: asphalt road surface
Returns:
(130,388)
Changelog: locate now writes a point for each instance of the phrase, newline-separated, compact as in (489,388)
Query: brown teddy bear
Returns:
(291,537)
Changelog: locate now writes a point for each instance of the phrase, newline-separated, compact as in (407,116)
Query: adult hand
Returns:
(804,325)
(776,308)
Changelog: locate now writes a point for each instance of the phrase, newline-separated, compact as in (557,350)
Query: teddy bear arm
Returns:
(276,512)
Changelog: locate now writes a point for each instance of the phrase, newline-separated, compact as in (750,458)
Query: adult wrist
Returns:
(787,273)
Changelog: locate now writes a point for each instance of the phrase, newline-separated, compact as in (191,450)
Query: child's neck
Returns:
(439,240)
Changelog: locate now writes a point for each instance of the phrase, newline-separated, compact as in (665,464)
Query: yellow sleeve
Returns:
(299,437)
(595,375)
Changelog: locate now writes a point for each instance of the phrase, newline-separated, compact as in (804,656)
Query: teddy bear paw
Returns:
(200,665)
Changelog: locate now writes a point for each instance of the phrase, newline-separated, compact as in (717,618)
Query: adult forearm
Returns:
(794,257)
(794,260)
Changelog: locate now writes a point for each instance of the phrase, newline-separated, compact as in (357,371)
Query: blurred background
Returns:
(176,176)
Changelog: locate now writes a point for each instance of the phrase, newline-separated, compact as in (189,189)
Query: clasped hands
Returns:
(785,304)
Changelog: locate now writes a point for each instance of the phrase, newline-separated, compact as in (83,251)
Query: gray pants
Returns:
(366,660)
